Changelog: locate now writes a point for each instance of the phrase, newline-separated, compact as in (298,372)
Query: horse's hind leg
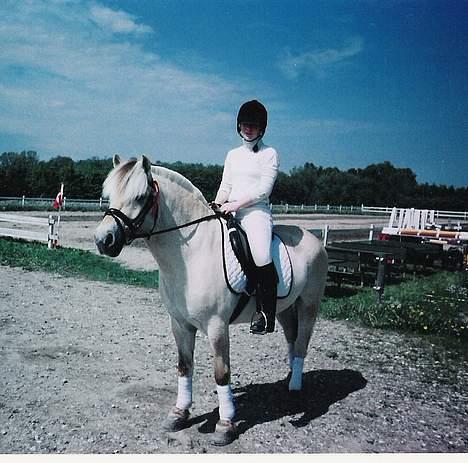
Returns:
(298,323)
(288,321)
(184,335)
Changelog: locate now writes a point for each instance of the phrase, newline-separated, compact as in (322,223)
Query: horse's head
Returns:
(133,200)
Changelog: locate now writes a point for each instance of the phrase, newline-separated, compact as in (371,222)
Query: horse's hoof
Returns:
(176,420)
(225,433)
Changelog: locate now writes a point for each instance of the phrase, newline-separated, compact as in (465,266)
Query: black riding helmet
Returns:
(252,112)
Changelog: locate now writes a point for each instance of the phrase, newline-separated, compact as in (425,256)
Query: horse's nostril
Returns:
(109,241)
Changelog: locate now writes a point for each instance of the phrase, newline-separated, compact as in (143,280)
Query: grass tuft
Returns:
(35,256)
(436,304)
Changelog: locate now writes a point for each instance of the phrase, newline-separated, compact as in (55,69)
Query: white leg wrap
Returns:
(226,403)
(184,392)
(291,355)
(295,384)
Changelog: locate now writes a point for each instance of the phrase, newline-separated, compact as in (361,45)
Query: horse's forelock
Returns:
(126,180)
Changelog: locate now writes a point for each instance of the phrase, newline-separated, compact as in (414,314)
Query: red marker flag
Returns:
(58,201)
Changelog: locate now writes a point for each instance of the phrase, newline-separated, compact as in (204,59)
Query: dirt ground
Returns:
(89,367)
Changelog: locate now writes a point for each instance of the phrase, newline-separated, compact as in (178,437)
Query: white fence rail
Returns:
(50,235)
(328,234)
(25,203)
(437,214)
(18,203)
(314,209)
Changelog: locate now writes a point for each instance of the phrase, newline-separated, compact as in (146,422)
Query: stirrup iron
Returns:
(253,322)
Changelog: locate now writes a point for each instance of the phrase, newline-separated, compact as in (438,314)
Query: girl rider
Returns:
(249,174)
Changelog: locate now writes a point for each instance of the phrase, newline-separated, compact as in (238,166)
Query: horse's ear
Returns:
(146,163)
(116,160)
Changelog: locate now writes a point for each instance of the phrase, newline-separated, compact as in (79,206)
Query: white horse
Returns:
(184,237)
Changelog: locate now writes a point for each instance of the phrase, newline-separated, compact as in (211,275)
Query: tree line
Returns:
(379,184)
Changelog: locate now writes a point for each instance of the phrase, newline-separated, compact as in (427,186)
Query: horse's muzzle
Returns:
(110,242)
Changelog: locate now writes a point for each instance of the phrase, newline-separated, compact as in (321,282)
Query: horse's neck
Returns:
(179,206)
(175,249)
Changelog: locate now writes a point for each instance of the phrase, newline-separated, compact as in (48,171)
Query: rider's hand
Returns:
(234,206)
(214,206)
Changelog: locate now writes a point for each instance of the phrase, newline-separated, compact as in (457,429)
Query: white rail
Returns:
(51,236)
(326,232)
(438,214)
(23,202)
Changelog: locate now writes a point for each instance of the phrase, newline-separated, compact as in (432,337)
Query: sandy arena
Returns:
(89,367)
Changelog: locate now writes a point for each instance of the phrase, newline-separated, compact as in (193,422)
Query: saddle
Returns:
(240,269)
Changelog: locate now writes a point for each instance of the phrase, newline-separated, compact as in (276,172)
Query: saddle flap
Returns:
(239,267)
(241,248)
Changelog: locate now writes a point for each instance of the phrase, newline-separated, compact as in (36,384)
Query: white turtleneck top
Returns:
(249,175)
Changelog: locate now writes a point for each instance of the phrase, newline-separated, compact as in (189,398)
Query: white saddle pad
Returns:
(236,278)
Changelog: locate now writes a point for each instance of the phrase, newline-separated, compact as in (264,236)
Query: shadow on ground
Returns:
(262,403)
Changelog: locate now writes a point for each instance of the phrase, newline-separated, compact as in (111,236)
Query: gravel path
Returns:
(88,367)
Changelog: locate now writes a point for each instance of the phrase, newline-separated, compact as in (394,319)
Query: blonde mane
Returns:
(129,180)
(179,180)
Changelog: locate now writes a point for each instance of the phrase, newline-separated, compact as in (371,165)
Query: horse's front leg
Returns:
(184,335)
(218,335)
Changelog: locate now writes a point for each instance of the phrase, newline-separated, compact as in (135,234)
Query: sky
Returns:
(347,83)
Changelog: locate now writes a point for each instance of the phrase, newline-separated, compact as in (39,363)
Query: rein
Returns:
(178,227)
(152,203)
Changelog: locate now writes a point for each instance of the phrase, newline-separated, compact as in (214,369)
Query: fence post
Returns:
(22,202)
(50,238)
(286,208)
(100,203)
(380,277)
(371,232)
(325,234)
(64,202)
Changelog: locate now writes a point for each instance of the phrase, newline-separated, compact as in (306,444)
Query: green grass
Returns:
(436,304)
(71,262)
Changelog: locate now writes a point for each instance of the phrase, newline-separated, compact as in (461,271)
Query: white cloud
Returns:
(71,87)
(319,62)
(117,21)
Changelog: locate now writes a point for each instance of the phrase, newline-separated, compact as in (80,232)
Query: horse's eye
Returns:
(140,198)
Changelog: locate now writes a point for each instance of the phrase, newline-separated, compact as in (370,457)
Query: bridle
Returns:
(130,227)
(133,225)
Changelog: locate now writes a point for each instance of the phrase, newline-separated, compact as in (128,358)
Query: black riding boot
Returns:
(263,320)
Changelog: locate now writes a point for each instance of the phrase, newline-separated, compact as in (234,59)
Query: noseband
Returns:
(151,203)
(133,225)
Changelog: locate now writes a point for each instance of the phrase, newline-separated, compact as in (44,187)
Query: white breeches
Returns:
(258,225)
